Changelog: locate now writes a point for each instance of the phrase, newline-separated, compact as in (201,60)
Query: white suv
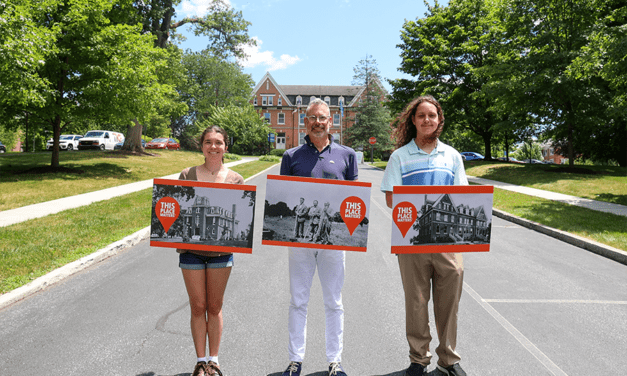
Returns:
(66,142)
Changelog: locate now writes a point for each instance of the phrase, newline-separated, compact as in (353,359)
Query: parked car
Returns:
(100,140)
(471,156)
(511,159)
(66,142)
(3,149)
(119,145)
(163,143)
(532,161)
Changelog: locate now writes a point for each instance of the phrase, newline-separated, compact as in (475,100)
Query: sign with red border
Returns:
(316,213)
(438,219)
(202,216)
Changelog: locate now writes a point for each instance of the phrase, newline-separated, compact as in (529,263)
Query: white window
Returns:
(269,101)
(268,117)
(281,119)
(336,119)
(264,100)
(301,119)
(255,101)
(328,101)
(312,98)
(299,100)
(280,101)
(341,101)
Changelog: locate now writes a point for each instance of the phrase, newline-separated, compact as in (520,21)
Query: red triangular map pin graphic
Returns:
(404,216)
(167,211)
(353,211)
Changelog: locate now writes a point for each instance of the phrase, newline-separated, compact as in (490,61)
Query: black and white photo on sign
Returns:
(305,212)
(208,216)
(447,218)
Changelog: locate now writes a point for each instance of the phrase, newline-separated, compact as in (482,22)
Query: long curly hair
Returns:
(406,129)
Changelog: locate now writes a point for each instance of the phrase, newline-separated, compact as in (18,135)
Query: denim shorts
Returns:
(197,262)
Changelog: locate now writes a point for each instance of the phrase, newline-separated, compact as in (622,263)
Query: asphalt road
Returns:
(531,306)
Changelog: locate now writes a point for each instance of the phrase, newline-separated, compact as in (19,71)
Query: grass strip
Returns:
(31,249)
(602,227)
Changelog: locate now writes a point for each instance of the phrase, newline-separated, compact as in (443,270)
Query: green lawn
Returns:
(33,248)
(83,171)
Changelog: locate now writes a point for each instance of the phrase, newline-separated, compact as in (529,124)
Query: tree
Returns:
(24,46)
(210,80)
(545,37)
(528,150)
(98,70)
(604,59)
(445,52)
(248,130)
(225,28)
(371,118)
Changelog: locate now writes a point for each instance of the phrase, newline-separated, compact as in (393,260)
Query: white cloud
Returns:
(197,7)
(257,57)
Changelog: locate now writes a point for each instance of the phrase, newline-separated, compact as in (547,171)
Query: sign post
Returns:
(372,141)
(270,140)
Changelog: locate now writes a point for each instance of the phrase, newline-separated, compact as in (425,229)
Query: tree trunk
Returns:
(571,152)
(506,148)
(487,142)
(133,140)
(56,134)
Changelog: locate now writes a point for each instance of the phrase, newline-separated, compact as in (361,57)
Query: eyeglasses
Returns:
(321,119)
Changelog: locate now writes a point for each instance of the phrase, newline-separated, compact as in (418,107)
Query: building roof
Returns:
(320,90)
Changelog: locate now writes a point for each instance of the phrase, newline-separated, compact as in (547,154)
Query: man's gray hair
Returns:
(317,102)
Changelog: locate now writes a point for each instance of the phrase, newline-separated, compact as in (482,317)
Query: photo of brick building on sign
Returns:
(448,219)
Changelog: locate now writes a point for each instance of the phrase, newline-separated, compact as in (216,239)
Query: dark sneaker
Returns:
(212,369)
(335,369)
(454,370)
(416,369)
(293,369)
(199,370)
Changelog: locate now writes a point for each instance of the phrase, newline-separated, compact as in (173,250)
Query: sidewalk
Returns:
(572,200)
(25,213)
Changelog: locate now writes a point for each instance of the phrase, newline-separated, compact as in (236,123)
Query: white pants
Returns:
(330,264)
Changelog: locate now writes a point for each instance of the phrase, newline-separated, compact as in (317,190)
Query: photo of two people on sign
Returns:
(303,212)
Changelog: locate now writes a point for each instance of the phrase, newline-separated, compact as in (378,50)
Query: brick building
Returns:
(443,220)
(284,107)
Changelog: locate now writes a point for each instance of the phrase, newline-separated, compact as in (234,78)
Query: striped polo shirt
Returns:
(409,165)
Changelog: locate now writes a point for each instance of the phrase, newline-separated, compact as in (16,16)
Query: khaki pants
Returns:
(446,270)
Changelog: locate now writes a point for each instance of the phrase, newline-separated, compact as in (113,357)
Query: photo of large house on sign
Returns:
(202,216)
(431,219)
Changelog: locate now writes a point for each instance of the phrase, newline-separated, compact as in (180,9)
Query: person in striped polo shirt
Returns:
(422,159)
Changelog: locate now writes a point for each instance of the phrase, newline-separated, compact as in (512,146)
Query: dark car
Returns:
(472,156)
(163,143)
(3,149)
(119,145)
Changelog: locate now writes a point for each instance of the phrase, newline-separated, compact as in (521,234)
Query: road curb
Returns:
(578,241)
(74,267)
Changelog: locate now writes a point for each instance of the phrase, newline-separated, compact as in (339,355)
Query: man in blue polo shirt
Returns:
(319,157)
(421,159)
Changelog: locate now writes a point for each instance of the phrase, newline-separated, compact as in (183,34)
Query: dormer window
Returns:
(327,100)
(299,100)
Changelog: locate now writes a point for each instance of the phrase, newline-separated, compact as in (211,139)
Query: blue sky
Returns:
(316,43)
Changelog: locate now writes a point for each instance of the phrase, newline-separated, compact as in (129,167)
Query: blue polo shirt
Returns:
(409,165)
(334,162)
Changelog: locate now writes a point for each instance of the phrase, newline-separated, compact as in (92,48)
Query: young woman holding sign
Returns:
(207,273)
